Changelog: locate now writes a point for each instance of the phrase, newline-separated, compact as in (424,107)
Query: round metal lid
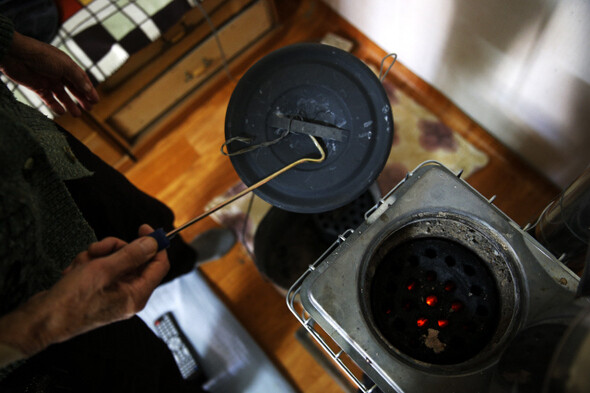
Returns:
(317,87)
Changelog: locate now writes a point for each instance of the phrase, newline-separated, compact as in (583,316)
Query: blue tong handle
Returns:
(161,238)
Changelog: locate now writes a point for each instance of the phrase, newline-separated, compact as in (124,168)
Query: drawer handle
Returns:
(199,71)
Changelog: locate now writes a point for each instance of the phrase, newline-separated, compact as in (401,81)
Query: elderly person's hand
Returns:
(48,72)
(110,281)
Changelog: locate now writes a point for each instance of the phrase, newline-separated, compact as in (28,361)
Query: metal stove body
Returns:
(434,289)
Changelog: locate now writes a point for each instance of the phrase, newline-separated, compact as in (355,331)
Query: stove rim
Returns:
(510,310)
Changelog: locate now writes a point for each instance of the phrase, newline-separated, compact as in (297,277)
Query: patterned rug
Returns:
(418,136)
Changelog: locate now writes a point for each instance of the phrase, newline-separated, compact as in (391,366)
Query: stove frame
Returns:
(536,288)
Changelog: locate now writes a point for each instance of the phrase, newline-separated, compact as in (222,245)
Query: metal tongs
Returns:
(164,238)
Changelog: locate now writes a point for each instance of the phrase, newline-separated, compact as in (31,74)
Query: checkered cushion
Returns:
(101,36)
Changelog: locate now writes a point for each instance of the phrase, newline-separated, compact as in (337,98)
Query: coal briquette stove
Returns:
(438,291)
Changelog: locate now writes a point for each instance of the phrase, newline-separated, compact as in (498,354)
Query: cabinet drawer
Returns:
(185,76)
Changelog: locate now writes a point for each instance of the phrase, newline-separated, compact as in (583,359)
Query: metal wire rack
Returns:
(307,321)
(310,325)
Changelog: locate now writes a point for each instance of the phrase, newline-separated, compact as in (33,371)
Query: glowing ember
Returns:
(456,306)
(422,322)
(443,323)
(449,286)
(411,285)
(431,300)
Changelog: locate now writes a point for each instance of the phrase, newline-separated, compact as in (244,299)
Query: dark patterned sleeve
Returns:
(6,33)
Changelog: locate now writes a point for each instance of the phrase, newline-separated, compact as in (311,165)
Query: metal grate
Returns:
(337,354)
(434,300)
(309,323)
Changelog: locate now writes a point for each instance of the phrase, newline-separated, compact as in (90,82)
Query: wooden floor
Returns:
(186,170)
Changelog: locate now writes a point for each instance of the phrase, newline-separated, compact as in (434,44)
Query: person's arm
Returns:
(109,282)
(46,70)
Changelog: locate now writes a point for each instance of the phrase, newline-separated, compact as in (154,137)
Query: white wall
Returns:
(520,68)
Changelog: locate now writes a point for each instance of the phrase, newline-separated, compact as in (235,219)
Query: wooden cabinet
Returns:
(144,98)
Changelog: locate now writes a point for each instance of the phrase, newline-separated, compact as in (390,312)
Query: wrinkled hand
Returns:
(109,282)
(48,72)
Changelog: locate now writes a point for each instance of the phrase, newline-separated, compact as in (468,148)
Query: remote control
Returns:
(184,354)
